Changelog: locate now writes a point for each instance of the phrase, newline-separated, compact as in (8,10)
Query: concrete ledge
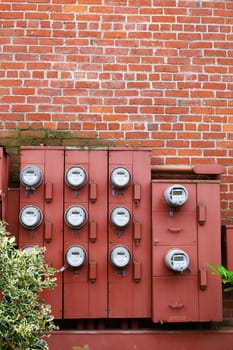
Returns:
(221,339)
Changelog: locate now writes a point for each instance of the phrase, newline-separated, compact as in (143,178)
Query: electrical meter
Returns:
(177,260)
(176,195)
(75,216)
(76,177)
(75,256)
(30,217)
(120,178)
(120,217)
(31,177)
(120,256)
(28,248)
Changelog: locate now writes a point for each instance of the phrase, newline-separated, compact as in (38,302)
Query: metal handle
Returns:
(175,229)
(201,214)
(48,233)
(137,193)
(92,271)
(176,305)
(48,192)
(203,278)
(93,191)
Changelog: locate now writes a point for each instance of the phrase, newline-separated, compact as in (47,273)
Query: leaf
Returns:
(24,319)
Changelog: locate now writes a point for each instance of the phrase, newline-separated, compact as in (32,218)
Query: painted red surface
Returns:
(130,288)
(195,294)
(150,340)
(85,288)
(48,197)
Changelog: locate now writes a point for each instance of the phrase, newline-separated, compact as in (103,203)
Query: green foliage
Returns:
(226,275)
(24,318)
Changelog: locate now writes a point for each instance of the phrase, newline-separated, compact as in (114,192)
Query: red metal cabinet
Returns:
(130,285)
(4,175)
(192,230)
(209,250)
(32,197)
(228,246)
(85,286)
(12,216)
(46,194)
(9,198)
(177,299)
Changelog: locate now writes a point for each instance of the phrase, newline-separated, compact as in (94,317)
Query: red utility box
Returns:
(4,175)
(85,234)
(41,210)
(185,237)
(129,240)
(228,246)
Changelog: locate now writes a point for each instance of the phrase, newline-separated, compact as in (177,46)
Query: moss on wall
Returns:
(12,144)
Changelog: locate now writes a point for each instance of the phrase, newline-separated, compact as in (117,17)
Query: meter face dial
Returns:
(30,217)
(75,216)
(75,256)
(177,260)
(120,256)
(76,177)
(176,196)
(31,176)
(120,217)
(120,177)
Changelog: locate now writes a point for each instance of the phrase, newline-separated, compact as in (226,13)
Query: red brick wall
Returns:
(122,72)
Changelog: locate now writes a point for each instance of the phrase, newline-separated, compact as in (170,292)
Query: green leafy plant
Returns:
(226,275)
(24,318)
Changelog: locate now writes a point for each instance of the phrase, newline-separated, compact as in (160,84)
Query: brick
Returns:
(111,135)
(36,125)
(12,116)
(10,82)
(11,125)
(101,109)
(75,8)
(13,99)
(40,134)
(38,116)
(62,126)
(127,127)
(189,152)
(64,100)
(74,109)
(23,125)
